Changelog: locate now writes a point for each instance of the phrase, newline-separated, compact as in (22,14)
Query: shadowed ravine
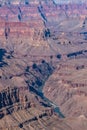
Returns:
(39,92)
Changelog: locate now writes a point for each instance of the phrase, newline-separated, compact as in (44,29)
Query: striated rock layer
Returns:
(43,61)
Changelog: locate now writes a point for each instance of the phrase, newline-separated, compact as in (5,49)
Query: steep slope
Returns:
(67,87)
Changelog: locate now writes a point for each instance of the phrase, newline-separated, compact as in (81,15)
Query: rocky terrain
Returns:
(43,62)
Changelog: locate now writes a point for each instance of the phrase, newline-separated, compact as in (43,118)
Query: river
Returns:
(48,102)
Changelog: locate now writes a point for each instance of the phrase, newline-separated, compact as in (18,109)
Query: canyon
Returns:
(43,62)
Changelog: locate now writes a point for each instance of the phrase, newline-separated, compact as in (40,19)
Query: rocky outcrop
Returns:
(9,97)
(40,75)
(10,101)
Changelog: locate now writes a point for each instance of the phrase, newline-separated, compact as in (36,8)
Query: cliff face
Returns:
(9,97)
(32,19)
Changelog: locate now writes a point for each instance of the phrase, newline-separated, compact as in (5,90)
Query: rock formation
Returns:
(43,64)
